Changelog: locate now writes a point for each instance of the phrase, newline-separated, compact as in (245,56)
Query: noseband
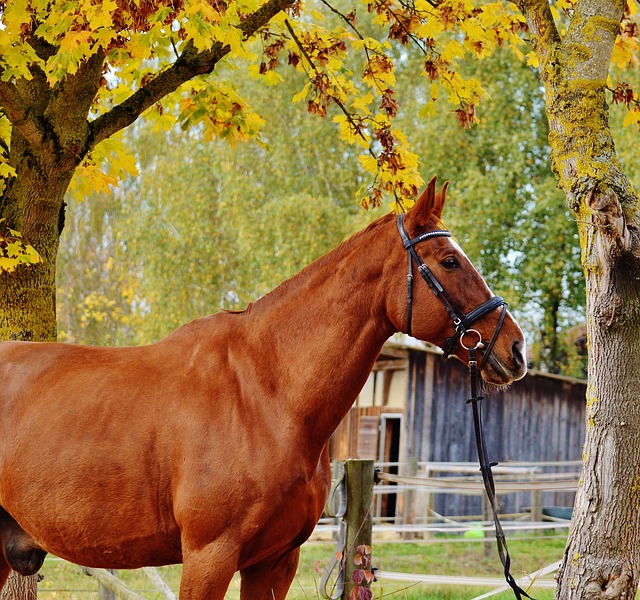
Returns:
(461,321)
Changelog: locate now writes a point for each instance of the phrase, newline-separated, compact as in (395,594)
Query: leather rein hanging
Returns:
(462,323)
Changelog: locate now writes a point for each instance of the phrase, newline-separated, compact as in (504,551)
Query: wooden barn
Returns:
(413,406)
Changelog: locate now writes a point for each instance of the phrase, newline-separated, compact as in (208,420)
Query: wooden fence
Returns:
(352,504)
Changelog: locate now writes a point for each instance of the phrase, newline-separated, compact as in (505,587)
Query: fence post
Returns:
(410,499)
(429,504)
(536,498)
(104,593)
(359,479)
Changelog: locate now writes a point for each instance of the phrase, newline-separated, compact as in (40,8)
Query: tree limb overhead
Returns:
(190,64)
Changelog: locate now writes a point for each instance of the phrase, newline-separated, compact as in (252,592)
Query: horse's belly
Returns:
(109,522)
(131,554)
(107,541)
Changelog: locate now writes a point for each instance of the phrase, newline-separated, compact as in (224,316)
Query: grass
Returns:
(440,556)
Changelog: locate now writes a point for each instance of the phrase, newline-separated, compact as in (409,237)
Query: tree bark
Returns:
(19,587)
(603,548)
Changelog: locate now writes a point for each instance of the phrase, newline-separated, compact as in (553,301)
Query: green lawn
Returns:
(440,556)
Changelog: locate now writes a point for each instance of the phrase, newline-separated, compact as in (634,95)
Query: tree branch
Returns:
(541,25)
(595,25)
(190,64)
(355,127)
(13,108)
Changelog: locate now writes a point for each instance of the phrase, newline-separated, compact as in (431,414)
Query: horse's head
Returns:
(447,296)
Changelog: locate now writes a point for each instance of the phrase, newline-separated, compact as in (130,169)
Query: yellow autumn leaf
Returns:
(428,110)
(280,17)
(430,28)
(164,122)
(272,78)
(8,264)
(624,52)
(369,163)
(302,94)
(632,118)
(454,49)
(362,103)
(6,170)
(99,16)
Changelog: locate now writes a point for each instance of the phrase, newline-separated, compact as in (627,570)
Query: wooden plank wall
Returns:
(539,418)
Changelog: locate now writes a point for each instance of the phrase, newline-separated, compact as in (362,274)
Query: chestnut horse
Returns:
(209,448)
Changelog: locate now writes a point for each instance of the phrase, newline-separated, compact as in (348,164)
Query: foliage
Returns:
(98,291)
(191,240)
(137,46)
(364,575)
(13,250)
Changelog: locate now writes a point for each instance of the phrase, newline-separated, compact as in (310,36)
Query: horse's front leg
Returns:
(207,572)
(270,580)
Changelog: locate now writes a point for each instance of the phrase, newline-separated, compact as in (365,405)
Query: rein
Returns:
(462,323)
(485,467)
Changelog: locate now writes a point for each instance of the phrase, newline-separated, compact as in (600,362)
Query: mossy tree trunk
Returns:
(48,138)
(603,550)
(34,206)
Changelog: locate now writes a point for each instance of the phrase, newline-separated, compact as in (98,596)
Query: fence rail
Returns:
(417,516)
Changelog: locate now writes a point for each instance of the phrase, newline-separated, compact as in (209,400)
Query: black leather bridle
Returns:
(461,321)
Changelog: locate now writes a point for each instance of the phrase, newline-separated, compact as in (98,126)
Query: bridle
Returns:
(462,323)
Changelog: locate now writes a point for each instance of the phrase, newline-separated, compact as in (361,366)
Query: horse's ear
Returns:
(442,195)
(428,208)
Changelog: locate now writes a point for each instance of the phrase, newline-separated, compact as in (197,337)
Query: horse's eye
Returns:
(450,263)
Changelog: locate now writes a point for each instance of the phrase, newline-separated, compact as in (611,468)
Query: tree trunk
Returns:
(604,543)
(601,558)
(32,204)
(19,587)
(27,304)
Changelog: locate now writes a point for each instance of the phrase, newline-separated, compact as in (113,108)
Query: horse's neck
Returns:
(322,330)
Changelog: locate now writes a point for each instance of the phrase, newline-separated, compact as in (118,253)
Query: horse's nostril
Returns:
(517,353)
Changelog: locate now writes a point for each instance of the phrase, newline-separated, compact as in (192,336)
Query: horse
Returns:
(209,447)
